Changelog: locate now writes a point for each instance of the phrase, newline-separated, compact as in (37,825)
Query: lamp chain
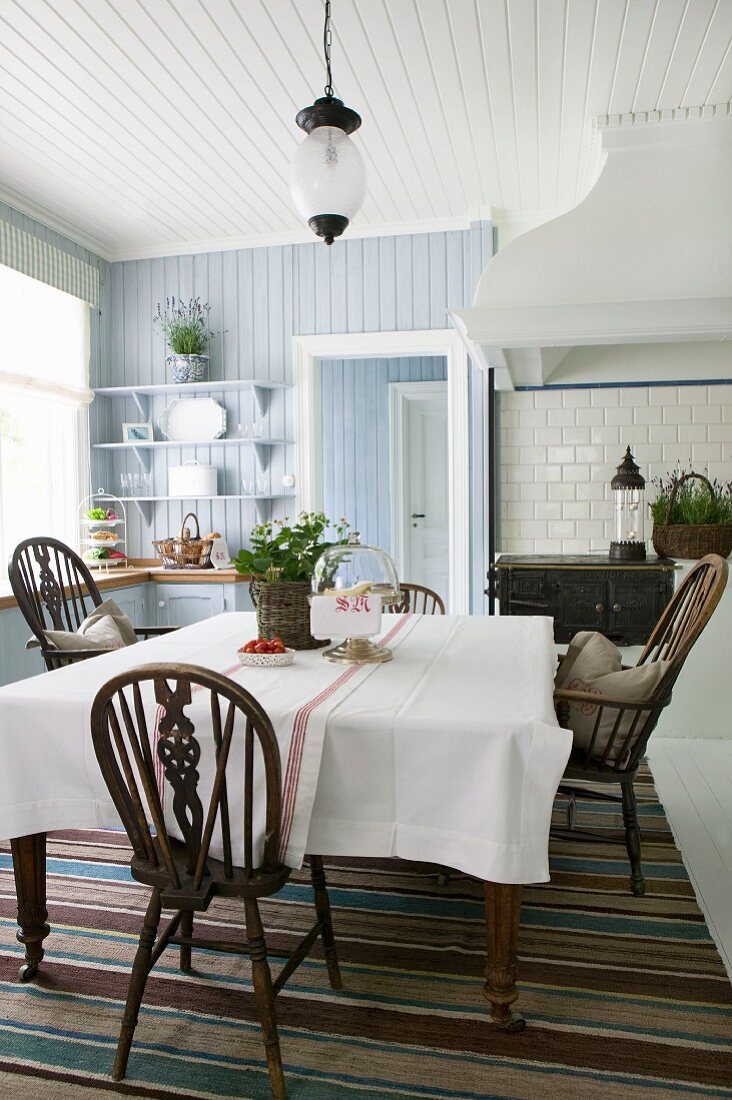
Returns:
(327,42)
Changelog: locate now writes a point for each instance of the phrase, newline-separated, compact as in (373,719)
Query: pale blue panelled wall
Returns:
(354,416)
(260,299)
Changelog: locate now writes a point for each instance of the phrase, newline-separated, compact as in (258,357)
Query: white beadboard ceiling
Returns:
(150,127)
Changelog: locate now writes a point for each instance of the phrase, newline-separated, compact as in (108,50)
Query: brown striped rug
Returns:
(625,997)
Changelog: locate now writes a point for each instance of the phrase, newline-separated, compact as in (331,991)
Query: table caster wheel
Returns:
(27,972)
(512,1022)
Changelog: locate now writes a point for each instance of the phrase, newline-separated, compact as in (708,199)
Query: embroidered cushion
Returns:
(596,667)
(107,627)
(596,653)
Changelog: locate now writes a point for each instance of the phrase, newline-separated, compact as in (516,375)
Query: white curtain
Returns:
(44,420)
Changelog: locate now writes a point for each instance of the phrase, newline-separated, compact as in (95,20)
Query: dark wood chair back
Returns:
(420,600)
(133,748)
(672,639)
(688,613)
(130,754)
(54,589)
(630,723)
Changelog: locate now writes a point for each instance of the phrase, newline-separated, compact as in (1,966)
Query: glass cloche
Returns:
(351,569)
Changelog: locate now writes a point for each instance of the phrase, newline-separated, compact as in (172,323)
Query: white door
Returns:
(423,512)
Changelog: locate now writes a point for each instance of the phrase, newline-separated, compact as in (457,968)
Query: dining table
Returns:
(449,754)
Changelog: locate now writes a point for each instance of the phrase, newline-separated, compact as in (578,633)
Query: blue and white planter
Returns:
(188,368)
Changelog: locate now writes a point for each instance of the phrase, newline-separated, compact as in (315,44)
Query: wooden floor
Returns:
(694,782)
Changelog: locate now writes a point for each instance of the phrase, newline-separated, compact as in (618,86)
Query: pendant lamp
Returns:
(328,180)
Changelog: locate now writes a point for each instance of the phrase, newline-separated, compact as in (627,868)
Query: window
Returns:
(44,433)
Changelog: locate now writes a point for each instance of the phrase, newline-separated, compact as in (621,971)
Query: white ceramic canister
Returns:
(192,479)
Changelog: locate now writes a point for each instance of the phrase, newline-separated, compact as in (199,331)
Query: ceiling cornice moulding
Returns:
(41,214)
(708,113)
(269,240)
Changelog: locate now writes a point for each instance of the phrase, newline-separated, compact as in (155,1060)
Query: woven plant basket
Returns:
(283,611)
(691,540)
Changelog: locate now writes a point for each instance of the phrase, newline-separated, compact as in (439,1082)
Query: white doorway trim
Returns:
(307,351)
(400,394)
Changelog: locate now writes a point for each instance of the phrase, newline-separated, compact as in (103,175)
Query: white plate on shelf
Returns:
(102,542)
(193,420)
(100,522)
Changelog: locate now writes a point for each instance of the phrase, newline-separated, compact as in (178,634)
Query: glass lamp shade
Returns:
(342,569)
(627,487)
(328,180)
(628,515)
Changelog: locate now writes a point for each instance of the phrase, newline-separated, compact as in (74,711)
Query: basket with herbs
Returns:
(692,516)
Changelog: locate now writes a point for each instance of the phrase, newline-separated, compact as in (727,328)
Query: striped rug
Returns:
(625,997)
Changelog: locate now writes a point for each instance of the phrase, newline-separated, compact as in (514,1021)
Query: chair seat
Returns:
(594,771)
(215,882)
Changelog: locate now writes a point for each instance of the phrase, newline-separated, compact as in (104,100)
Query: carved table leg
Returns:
(503,913)
(29,866)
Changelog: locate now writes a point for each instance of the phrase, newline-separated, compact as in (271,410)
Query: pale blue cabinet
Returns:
(16,662)
(135,602)
(183,604)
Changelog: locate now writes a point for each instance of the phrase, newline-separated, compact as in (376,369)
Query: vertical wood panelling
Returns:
(355,435)
(260,298)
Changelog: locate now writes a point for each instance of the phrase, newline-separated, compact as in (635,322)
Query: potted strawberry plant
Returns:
(281,563)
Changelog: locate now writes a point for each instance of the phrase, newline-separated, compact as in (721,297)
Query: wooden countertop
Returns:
(140,572)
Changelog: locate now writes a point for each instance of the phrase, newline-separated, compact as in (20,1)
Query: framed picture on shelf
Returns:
(137,433)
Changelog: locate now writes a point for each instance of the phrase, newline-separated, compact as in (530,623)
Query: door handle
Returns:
(617,607)
(418,515)
(599,608)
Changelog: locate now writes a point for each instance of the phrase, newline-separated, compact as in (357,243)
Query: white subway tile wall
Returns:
(560,448)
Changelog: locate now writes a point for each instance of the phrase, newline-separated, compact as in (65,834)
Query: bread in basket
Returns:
(185,551)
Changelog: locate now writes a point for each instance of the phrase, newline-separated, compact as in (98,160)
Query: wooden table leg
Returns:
(29,867)
(503,913)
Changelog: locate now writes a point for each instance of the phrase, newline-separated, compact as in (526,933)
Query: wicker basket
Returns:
(691,540)
(283,611)
(182,551)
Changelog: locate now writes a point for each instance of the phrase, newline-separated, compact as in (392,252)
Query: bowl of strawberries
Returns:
(266,653)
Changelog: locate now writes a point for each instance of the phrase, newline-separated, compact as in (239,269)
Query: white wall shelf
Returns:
(261,447)
(235,442)
(139,394)
(262,502)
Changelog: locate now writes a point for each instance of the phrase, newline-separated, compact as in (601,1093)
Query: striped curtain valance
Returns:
(43,261)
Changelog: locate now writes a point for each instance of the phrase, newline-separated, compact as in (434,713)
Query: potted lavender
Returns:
(186,332)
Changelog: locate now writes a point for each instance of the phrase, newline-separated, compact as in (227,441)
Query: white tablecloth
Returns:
(450,753)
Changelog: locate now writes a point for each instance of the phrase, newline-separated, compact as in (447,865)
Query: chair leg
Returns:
(571,809)
(264,996)
(138,979)
(322,908)
(632,839)
(186,929)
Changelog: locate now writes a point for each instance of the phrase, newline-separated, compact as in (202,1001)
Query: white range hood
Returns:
(645,257)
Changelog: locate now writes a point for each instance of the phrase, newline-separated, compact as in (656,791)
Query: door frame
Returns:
(400,395)
(307,351)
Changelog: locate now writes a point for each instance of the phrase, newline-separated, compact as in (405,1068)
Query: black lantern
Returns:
(328,180)
(628,486)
